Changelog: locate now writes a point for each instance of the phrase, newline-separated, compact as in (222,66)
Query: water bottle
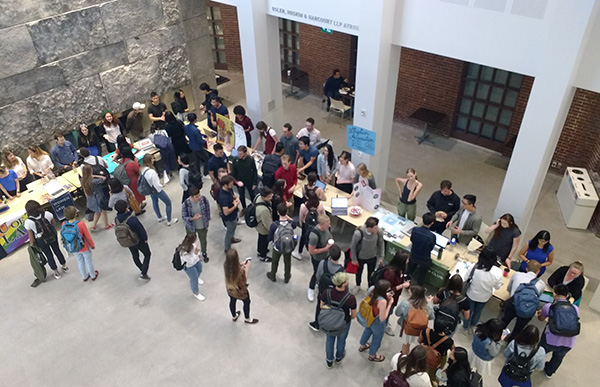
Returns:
(452,244)
(440,252)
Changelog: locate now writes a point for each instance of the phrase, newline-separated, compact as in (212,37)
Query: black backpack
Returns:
(311,219)
(518,367)
(378,274)
(177,264)
(100,170)
(250,215)
(194,178)
(446,317)
(563,319)
(45,230)
(325,280)
(269,167)
(475,380)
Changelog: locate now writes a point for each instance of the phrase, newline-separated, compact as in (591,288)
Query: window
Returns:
(486,106)
(289,42)
(215,31)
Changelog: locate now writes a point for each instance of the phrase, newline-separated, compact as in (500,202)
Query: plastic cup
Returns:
(331,241)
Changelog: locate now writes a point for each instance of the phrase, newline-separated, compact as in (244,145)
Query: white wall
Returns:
(339,15)
(588,76)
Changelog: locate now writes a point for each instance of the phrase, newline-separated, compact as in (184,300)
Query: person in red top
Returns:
(84,256)
(396,274)
(242,119)
(133,171)
(270,136)
(287,172)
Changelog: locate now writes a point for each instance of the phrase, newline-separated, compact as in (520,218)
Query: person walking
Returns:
(189,251)
(381,300)
(414,314)
(77,239)
(136,237)
(236,282)
(281,233)
(319,242)
(423,242)
(229,203)
(338,297)
(195,213)
(42,234)
(367,248)
(525,351)
(151,176)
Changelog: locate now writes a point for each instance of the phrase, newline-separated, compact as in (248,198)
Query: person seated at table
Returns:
(309,130)
(443,204)
(11,161)
(332,87)
(346,173)
(270,136)
(88,139)
(9,183)
(245,122)
(216,107)
(63,153)
(327,165)
(38,161)
(311,187)
(572,277)
(465,224)
(308,156)
(364,176)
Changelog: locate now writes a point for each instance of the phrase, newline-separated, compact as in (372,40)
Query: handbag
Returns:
(351,268)
(133,203)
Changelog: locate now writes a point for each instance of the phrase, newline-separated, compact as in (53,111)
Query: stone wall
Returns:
(63,62)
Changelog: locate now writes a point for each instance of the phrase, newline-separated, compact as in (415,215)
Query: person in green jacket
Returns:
(264,217)
(244,171)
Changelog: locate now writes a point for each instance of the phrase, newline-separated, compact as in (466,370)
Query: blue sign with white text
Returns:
(360,139)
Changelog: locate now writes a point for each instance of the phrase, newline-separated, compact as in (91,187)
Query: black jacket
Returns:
(575,287)
(448,204)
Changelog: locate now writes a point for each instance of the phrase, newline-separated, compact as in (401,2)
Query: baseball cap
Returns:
(138,106)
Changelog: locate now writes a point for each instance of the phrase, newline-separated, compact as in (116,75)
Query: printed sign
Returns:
(13,233)
(225,132)
(60,203)
(360,139)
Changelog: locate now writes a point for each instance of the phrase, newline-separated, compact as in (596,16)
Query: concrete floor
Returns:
(121,331)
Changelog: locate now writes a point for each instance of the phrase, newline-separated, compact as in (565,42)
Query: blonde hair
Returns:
(577,265)
(362,170)
(6,161)
(322,219)
(148,161)
(285,158)
(37,151)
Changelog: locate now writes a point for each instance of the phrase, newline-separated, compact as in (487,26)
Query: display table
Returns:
(112,164)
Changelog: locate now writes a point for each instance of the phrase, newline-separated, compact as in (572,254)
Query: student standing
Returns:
(465,224)
(84,255)
(459,370)
(290,143)
(327,268)
(63,153)
(39,162)
(487,343)
(443,204)
(399,280)
(149,173)
(111,128)
(327,165)
(279,233)
(195,212)
(287,172)
(243,169)
(364,176)
(270,136)
(505,239)
(346,173)
(217,161)
(447,313)
(176,132)
(318,247)
(156,111)
(270,165)
(308,217)
(88,139)
(414,314)
(197,143)
(367,248)
(539,249)
(264,217)
(311,185)
(97,201)
(441,342)
(11,161)
(9,183)
(137,229)
(409,188)
(308,156)
(382,298)
(413,368)
(525,344)
(423,242)
(486,277)
(192,261)
(118,191)
(229,203)
(216,107)
(245,122)
(236,282)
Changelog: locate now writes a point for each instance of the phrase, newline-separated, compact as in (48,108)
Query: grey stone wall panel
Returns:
(195,28)
(68,34)
(124,19)
(17,53)
(30,83)
(20,126)
(126,84)
(201,65)
(192,8)
(13,12)
(174,68)
(93,62)
(171,11)
(155,42)
(61,109)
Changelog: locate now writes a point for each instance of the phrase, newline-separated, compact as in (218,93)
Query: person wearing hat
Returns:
(334,296)
(134,127)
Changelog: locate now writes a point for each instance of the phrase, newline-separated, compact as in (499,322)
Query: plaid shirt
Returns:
(187,213)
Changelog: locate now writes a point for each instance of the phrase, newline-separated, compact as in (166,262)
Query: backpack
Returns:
(325,280)
(125,235)
(284,240)
(415,322)
(378,274)
(250,215)
(194,178)
(365,314)
(311,219)
(161,142)
(177,264)
(563,319)
(144,186)
(121,174)
(475,380)
(46,232)
(332,318)
(526,299)
(269,167)
(214,191)
(99,169)
(446,317)
(518,367)
(434,358)
(71,237)
(395,379)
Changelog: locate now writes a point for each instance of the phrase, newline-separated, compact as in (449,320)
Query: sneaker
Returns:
(271,277)
(341,358)
(144,277)
(95,275)
(65,269)
(297,255)
(159,220)
(389,330)
(287,279)
(241,222)
(172,222)
(205,257)
(314,326)
(57,275)
(546,375)
(86,279)
(310,294)
(235,240)
(265,259)
(166,178)
(200,281)
(200,297)
(329,364)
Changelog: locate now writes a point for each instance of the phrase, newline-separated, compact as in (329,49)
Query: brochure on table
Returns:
(366,197)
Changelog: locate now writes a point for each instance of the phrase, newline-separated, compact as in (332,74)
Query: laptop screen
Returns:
(320,184)
(339,202)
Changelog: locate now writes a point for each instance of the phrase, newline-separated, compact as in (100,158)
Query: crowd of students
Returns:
(424,350)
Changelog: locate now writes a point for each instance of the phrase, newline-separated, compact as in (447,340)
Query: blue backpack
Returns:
(526,299)
(563,319)
(71,237)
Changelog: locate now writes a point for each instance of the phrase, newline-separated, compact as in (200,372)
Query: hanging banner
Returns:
(12,233)
(360,139)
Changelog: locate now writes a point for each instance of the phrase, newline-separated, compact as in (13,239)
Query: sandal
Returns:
(237,315)
(377,358)
(363,348)
(109,227)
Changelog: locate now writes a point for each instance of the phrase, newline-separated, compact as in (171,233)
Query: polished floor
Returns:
(119,331)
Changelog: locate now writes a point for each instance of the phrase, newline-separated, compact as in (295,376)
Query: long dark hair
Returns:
(115,185)
(533,243)
(461,362)
(528,337)
(492,329)
(398,263)
(278,187)
(312,200)
(454,284)
(511,225)
(414,363)
(330,156)
(188,243)
(487,259)
(231,267)
(380,290)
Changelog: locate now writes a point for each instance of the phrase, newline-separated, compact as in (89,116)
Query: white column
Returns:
(377,67)
(546,111)
(259,40)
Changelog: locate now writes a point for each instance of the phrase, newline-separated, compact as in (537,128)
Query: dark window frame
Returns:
(219,55)
(289,31)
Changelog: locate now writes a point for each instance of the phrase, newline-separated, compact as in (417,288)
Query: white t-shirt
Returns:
(346,173)
(420,379)
(112,132)
(314,135)
(93,160)
(30,224)
(41,165)
(191,258)
(484,283)
(152,178)
(522,278)
(20,168)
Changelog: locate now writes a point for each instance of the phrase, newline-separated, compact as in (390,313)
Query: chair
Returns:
(337,106)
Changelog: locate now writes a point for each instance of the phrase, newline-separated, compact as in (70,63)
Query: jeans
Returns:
(84,262)
(232,308)
(376,329)
(135,254)
(194,273)
(168,158)
(418,270)
(476,309)
(558,354)
(48,249)
(162,195)
(262,245)
(287,264)
(184,196)
(313,279)
(330,342)
(303,238)
(509,314)
(231,225)
(242,192)
(371,263)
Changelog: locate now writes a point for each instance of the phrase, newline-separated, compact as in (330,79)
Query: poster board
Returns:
(240,135)
(365,196)
(225,131)
(12,233)
(60,203)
